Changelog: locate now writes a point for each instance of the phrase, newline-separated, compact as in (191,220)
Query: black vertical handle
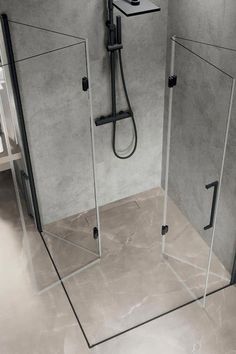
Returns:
(213,206)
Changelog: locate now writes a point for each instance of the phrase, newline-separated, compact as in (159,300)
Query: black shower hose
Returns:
(132,117)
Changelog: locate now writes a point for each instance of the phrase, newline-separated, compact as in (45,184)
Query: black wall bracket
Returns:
(112,48)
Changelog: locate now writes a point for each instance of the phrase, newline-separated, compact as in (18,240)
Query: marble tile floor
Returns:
(185,331)
(133,282)
(45,324)
(34,324)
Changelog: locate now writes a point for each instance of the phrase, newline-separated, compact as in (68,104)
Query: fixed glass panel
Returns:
(198,133)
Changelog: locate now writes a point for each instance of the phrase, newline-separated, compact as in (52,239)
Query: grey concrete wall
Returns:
(205,98)
(144,63)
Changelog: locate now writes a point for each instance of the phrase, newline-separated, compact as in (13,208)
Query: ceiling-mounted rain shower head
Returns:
(135,7)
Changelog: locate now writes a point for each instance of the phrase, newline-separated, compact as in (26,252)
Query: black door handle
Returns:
(213,206)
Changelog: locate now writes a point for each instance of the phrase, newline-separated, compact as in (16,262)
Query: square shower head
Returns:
(128,9)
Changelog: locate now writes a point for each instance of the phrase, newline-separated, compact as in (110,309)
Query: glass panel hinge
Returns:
(95,233)
(85,83)
(172,81)
(164,230)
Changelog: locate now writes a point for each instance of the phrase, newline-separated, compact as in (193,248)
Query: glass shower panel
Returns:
(17,213)
(7,105)
(52,73)
(197,128)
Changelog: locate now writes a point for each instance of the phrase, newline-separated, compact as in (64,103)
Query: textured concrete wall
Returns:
(203,105)
(144,63)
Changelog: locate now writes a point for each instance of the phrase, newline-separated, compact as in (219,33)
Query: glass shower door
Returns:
(70,214)
(53,76)
(199,115)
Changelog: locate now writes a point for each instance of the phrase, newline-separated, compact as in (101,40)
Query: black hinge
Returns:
(85,84)
(95,233)
(164,230)
(24,175)
(172,81)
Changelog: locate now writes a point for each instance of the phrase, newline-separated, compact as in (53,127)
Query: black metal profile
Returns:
(20,115)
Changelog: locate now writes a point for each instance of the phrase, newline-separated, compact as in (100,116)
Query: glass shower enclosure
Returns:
(164,247)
